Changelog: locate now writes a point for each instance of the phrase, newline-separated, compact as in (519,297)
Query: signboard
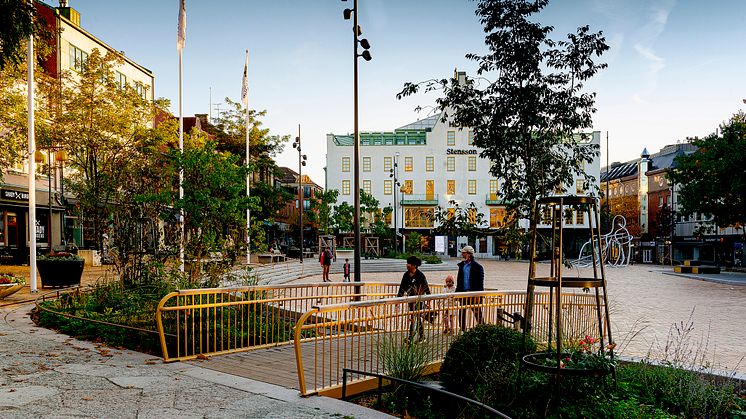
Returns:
(41,226)
(453,151)
(440,244)
(14,195)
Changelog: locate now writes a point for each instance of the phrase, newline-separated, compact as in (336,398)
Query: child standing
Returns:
(448,322)
(346,270)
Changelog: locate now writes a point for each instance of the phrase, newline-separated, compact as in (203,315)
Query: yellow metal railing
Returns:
(354,335)
(204,322)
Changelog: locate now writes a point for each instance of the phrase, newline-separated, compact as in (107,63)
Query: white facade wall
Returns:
(436,147)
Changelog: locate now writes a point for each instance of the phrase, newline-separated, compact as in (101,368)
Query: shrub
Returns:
(432,259)
(482,363)
(405,361)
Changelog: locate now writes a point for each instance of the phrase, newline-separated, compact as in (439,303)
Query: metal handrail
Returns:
(346,335)
(382,377)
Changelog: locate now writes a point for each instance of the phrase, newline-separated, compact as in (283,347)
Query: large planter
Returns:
(8,289)
(60,273)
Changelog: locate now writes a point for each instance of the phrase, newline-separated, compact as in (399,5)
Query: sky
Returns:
(675,68)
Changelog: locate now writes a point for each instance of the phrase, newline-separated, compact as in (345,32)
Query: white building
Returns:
(436,164)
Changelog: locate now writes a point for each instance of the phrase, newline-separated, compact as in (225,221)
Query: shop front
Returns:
(14,222)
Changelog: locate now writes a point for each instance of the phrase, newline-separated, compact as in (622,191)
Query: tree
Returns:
(343,217)
(527,120)
(99,124)
(18,20)
(712,180)
(459,222)
(321,209)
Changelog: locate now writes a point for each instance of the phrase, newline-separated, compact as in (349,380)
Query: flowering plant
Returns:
(9,278)
(60,256)
(585,354)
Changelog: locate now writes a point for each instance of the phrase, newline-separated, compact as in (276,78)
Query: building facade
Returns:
(70,48)
(425,165)
(288,218)
(640,190)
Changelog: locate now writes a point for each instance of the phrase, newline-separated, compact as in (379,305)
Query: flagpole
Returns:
(31,166)
(181,37)
(245,93)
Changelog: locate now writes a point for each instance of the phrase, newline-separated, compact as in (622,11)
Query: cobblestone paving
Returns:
(45,374)
(646,301)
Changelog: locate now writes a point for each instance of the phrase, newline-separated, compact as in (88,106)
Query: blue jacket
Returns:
(476,277)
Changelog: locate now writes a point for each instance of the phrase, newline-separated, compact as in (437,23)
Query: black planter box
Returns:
(60,273)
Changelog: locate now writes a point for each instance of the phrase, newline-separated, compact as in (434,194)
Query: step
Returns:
(684,269)
(692,263)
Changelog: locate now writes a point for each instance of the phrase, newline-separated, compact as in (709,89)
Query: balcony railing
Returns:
(419,199)
(493,199)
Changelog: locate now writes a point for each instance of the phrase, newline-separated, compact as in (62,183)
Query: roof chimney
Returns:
(68,12)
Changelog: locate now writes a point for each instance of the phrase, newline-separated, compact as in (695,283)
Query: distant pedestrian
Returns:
(470,278)
(326,263)
(413,282)
(346,270)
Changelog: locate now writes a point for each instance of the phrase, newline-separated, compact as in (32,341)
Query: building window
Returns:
(78,58)
(472,163)
(387,164)
(472,187)
(472,215)
(451,164)
(407,164)
(418,217)
(121,80)
(546,215)
(569,216)
(408,187)
(471,137)
(429,163)
(366,164)
(579,218)
(345,187)
(579,186)
(497,217)
(345,164)
(451,138)
(366,186)
(388,186)
(493,189)
(140,89)
(451,213)
(451,187)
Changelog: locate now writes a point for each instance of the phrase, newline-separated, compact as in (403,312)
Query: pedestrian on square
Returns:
(346,270)
(413,282)
(326,263)
(447,304)
(470,278)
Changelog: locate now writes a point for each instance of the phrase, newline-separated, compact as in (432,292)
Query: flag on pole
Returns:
(245,84)
(181,36)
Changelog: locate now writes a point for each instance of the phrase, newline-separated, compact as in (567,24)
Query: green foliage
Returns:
(321,209)
(414,243)
(405,361)
(460,223)
(526,120)
(713,179)
(17,20)
(482,363)
(343,217)
(431,259)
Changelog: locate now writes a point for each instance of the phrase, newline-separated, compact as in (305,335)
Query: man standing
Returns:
(470,278)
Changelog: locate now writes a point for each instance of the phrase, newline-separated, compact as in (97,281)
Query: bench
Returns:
(271,257)
(308,254)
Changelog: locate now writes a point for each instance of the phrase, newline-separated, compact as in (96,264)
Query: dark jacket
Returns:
(476,277)
(414,285)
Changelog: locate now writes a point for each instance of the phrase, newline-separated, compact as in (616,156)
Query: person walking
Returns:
(413,282)
(470,278)
(326,264)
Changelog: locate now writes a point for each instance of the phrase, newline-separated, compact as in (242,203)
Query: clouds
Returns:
(647,35)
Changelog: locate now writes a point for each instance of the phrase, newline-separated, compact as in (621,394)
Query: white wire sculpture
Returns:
(616,246)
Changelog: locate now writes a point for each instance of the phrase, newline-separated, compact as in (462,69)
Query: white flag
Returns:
(245,84)
(181,36)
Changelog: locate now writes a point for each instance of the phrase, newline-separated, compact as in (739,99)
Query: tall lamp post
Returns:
(356,32)
(301,163)
(394,173)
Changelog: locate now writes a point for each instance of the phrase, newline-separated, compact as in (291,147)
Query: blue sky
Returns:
(675,67)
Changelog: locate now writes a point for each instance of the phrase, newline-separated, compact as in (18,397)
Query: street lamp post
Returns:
(394,173)
(301,163)
(356,32)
